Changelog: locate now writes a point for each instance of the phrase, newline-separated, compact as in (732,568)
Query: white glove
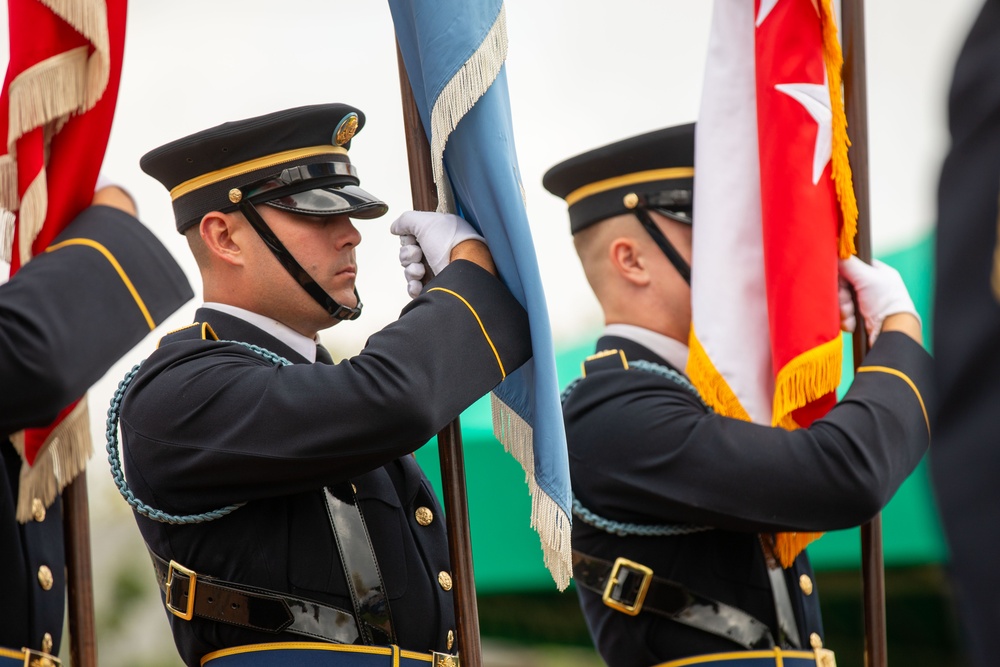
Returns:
(411,259)
(436,235)
(880,292)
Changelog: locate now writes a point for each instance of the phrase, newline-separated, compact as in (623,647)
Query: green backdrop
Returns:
(506,552)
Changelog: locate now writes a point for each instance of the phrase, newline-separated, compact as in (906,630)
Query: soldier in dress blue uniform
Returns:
(331,546)
(676,507)
(65,317)
(966,457)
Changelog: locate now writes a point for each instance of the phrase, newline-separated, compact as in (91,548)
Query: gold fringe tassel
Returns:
(788,546)
(90,19)
(9,199)
(46,91)
(460,94)
(7,220)
(807,377)
(711,385)
(34,206)
(547,518)
(63,456)
(833,57)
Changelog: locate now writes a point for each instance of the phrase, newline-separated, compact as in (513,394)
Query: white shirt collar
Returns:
(670,349)
(302,344)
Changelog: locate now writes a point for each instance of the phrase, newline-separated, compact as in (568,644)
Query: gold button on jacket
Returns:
(445,580)
(37,510)
(806,584)
(424,516)
(45,579)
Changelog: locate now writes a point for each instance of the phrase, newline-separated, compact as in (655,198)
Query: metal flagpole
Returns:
(450,439)
(856,107)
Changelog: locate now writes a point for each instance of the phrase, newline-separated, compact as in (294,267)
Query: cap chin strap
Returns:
(300,275)
(666,246)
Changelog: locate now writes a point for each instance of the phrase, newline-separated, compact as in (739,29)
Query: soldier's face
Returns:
(325,248)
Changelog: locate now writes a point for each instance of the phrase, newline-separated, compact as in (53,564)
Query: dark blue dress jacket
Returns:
(65,318)
(643,450)
(207,424)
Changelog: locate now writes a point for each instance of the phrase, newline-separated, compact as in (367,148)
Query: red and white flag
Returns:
(772,189)
(56,108)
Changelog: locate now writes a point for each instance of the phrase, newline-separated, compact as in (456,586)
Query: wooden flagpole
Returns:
(456,502)
(856,103)
(79,581)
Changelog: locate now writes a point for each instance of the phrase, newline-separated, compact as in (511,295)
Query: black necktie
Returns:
(323,355)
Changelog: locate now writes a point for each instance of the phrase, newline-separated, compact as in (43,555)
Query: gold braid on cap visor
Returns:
(649,176)
(264,162)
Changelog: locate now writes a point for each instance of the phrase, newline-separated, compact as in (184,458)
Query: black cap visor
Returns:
(333,200)
(321,189)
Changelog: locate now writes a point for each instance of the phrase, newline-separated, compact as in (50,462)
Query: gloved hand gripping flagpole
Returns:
(856,107)
(450,439)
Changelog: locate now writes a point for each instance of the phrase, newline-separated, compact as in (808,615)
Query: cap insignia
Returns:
(346,129)
(235,195)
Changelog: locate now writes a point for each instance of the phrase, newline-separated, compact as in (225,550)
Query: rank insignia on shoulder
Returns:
(193,331)
(605,360)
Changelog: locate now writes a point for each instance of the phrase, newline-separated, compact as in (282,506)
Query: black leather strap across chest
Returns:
(364,580)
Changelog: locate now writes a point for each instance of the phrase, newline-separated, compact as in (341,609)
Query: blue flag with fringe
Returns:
(454,53)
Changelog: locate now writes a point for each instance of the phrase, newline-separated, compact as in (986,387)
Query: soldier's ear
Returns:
(220,234)
(628,261)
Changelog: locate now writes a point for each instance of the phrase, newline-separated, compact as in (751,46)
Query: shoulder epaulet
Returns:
(605,360)
(193,331)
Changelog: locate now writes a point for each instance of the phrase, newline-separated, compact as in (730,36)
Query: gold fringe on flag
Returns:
(547,518)
(90,19)
(807,377)
(7,220)
(788,546)
(833,57)
(34,206)
(714,389)
(45,96)
(458,97)
(63,456)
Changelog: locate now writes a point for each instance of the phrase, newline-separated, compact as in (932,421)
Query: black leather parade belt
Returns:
(189,595)
(631,588)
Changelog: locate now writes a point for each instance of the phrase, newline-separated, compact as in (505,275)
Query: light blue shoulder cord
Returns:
(114,457)
(626,529)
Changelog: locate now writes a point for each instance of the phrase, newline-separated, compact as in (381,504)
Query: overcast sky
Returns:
(582,73)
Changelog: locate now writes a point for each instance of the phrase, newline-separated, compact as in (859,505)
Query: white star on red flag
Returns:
(815,98)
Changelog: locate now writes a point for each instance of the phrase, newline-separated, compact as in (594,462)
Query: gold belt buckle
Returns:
(186,614)
(647,577)
(33,658)
(444,660)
